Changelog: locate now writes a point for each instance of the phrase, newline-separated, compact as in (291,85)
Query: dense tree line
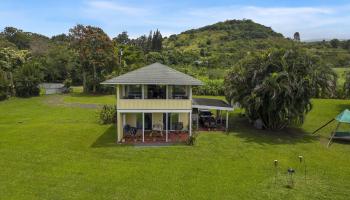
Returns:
(87,55)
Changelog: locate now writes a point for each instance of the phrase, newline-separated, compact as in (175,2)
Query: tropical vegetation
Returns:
(276,86)
(87,55)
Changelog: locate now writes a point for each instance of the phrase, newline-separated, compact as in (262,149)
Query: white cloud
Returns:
(108,6)
(312,22)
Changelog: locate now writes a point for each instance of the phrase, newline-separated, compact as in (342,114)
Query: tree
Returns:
(156,41)
(4,86)
(149,42)
(95,50)
(334,43)
(27,79)
(61,38)
(17,37)
(4,43)
(297,36)
(59,62)
(10,60)
(346,45)
(276,86)
(122,38)
(346,85)
(153,57)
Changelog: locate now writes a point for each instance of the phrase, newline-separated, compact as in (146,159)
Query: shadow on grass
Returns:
(342,107)
(242,129)
(107,139)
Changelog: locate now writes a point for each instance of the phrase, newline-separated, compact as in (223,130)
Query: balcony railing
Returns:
(155,104)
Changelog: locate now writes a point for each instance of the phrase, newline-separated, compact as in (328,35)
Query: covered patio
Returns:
(221,109)
(156,126)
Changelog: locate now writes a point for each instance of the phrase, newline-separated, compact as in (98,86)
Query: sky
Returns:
(322,19)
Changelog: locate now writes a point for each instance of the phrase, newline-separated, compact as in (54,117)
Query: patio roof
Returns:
(216,104)
(154,74)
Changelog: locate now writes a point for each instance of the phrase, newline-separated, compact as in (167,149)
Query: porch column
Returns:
(190,124)
(124,119)
(221,117)
(143,91)
(197,119)
(217,116)
(143,127)
(166,127)
(226,120)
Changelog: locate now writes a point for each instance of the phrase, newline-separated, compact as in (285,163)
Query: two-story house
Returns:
(154,103)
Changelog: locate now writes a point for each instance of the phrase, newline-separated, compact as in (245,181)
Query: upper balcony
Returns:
(154,97)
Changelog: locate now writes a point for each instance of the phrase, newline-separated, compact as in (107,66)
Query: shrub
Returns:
(108,114)
(191,140)
(27,79)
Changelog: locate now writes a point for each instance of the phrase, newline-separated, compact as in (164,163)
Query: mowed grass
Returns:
(76,96)
(59,152)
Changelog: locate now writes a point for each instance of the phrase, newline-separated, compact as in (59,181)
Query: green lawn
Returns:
(61,152)
(78,97)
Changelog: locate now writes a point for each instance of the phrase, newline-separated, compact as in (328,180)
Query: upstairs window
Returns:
(132,92)
(178,92)
(156,92)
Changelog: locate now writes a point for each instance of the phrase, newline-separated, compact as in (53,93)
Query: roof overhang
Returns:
(211,104)
(132,83)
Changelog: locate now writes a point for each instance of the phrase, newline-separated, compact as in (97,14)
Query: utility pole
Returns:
(120,56)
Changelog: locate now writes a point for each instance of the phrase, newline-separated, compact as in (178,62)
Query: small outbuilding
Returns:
(53,88)
(203,105)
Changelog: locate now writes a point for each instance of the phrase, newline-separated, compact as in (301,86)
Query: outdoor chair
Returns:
(158,129)
(129,131)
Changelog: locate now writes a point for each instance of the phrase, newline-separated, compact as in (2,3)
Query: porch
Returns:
(149,137)
(154,127)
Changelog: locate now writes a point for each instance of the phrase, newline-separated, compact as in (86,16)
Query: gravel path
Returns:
(57,100)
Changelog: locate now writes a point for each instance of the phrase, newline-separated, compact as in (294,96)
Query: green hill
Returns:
(222,44)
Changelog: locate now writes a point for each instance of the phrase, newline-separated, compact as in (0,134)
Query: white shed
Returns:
(53,88)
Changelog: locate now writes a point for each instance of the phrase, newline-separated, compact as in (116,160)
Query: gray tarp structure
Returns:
(154,74)
(215,104)
(211,104)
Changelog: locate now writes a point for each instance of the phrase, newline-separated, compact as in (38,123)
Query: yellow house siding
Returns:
(155,104)
(157,118)
(183,117)
(131,119)
(119,127)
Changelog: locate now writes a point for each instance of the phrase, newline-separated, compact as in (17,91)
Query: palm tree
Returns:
(276,86)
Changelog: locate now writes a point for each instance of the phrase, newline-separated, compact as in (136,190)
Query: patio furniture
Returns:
(178,127)
(157,129)
(130,131)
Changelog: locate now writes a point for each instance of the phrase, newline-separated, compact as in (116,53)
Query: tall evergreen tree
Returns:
(149,42)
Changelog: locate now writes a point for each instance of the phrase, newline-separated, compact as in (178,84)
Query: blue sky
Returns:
(313,19)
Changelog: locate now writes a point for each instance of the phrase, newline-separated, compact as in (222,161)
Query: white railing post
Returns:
(226,120)
(166,127)
(190,123)
(143,127)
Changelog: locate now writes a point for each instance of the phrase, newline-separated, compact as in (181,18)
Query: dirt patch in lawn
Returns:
(57,100)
